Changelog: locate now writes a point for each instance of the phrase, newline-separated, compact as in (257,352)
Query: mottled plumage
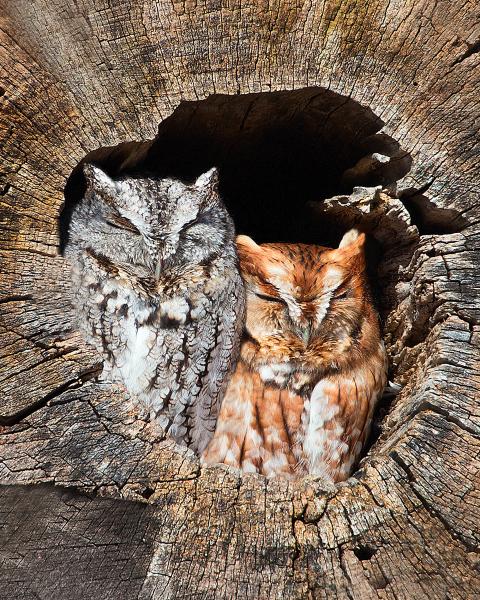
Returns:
(312,363)
(159,293)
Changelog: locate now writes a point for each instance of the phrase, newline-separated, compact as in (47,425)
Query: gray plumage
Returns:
(158,292)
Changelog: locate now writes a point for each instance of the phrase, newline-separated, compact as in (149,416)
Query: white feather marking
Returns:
(266,373)
(175,309)
(333,279)
(319,444)
(276,372)
(256,438)
(276,270)
(139,343)
(274,465)
(230,457)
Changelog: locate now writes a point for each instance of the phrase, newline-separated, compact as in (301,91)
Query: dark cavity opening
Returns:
(364,552)
(431,219)
(275,153)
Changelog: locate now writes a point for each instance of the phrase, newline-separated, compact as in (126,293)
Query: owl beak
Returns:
(306,333)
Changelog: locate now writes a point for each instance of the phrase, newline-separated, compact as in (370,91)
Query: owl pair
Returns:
(159,293)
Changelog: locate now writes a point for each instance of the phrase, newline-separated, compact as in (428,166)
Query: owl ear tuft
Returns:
(249,252)
(351,251)
(208,180)
(352,237)
(246,242)
(96,178)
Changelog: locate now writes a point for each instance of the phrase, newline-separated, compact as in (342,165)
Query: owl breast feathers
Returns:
(159,294)
(312,363)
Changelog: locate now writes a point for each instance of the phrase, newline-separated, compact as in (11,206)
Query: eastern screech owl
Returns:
(159,293)
(312,363)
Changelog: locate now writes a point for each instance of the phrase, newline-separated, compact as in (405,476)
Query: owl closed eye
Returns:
(159,294)
(311,346)
(307,304)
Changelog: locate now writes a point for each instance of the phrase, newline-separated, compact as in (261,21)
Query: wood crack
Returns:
(429,507)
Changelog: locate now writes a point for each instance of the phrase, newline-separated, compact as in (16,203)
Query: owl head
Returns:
(307,305)
(149,222)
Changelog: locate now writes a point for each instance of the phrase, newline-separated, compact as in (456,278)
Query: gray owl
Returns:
(158,292)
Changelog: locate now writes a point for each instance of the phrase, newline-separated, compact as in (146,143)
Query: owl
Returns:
(312,363)
(158,292)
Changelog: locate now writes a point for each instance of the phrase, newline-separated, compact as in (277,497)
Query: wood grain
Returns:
(121,513)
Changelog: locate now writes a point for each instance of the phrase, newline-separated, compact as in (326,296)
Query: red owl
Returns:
(312,363)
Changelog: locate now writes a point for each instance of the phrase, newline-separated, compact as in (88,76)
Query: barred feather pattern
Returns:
(159,294)
(312,363)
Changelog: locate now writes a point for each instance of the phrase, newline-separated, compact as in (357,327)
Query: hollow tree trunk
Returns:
(121,514)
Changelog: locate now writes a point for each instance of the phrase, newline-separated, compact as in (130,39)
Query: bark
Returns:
(93,502)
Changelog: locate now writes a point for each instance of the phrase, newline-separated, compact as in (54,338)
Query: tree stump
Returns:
(290,97)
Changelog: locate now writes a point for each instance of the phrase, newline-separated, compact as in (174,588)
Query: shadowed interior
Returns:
(275,152)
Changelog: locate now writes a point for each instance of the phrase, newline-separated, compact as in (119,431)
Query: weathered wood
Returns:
(122,513)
